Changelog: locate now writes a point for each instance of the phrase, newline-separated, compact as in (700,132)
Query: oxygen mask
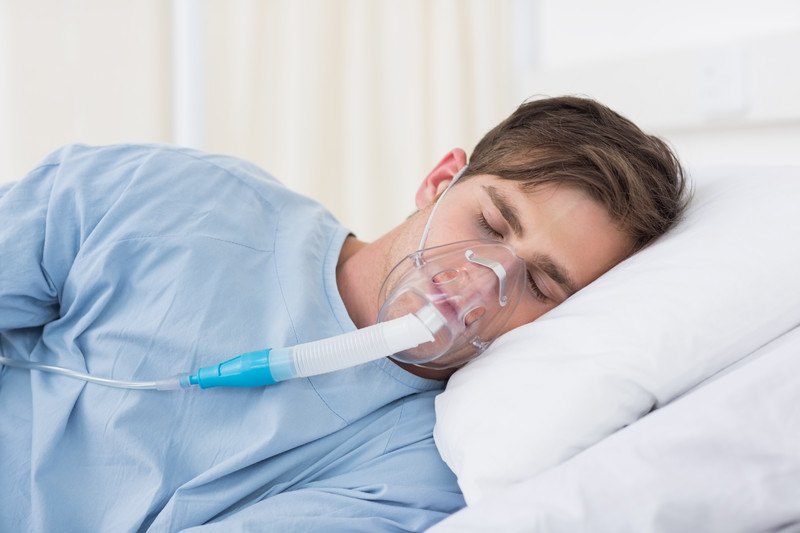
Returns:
(464,291)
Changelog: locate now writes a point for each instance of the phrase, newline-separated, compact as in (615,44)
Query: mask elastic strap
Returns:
(425,231)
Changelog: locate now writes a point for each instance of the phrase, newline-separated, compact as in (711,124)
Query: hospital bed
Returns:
(663,397)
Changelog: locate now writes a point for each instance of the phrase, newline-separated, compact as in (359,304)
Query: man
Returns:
(138,262)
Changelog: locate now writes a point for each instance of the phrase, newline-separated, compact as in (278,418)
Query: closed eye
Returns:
(487,228)
(534,288)
(492,233)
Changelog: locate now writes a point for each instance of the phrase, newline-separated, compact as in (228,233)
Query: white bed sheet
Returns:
(724,457)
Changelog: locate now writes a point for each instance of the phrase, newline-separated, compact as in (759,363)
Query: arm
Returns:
(28,294)
(44,220)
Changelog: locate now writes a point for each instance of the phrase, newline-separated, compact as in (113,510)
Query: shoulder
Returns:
(163,174)
(108,158)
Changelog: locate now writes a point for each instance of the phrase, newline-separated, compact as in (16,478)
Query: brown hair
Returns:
(582,143)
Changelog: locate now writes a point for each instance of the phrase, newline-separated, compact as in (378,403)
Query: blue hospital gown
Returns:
(140,262)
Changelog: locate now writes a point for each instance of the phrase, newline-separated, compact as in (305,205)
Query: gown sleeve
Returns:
(44,219)
(28,291)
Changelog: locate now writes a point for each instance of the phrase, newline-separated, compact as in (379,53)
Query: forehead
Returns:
(560,222)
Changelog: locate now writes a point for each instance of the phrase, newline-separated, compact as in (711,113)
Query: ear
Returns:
(439,178)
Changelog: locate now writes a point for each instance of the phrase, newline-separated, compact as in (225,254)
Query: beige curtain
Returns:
(80,71)
(348,101)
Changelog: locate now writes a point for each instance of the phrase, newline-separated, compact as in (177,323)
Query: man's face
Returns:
(566,239)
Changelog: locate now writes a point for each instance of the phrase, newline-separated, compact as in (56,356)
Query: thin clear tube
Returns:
(427,228)
(170,383)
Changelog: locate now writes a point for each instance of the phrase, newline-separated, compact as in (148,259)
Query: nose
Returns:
(472,288)
(468,278)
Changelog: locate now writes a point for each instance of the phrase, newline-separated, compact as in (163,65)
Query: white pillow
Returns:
(720,285)
(721,458)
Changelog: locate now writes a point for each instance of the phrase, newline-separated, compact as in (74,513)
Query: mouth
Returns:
(443,302)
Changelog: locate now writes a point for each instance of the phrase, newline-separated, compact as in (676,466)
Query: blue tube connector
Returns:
(250,369)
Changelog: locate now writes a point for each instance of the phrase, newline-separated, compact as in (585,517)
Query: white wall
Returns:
(719,79)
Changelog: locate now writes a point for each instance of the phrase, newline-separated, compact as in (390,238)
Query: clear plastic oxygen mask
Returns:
(465,291)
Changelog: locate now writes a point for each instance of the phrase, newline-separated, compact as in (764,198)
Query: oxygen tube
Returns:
(268,366)
(265,367)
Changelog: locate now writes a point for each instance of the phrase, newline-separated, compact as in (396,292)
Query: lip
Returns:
(441,300)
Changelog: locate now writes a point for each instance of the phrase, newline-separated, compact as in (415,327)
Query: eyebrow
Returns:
(557,273)
(508,211)
(542,262)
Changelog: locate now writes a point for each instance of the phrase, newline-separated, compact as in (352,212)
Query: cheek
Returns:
(526,312)
(451,230)
(455,219)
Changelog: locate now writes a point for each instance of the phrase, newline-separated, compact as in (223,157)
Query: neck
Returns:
(360,272)
(357,282)
(429,373)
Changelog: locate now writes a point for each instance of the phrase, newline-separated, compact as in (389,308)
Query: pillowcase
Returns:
(718,286)
(721,458)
